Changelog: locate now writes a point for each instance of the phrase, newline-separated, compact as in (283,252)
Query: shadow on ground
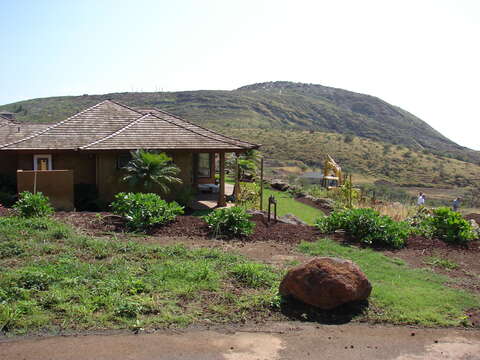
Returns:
(299,311)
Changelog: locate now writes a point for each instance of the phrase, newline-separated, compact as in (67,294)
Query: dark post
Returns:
(261,184)
(272,201)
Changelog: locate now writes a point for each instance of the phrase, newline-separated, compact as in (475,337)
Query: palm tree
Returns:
(148,169)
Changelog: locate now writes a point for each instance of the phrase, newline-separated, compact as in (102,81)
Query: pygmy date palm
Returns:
(148,169)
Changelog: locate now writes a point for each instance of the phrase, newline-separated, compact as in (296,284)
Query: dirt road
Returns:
(276,341)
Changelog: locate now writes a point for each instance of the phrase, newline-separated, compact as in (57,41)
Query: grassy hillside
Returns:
(375,160)
(303,122)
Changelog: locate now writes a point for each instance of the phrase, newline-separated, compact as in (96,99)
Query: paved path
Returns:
(277,341)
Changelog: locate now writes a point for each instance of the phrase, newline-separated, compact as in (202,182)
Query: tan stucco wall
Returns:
(100,169)
(83,165)
(109,177)
(56,184)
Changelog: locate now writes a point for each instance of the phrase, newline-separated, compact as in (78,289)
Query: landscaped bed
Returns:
(188,226)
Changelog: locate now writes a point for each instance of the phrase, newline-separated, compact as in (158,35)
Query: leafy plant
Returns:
(148,169)
(185,196)
(33,205)
(230,222)
(143,211)
(450,226)
(249,196)
(366,226)
(440,262)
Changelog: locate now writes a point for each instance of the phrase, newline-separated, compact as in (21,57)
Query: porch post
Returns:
(236,189)
(221,191)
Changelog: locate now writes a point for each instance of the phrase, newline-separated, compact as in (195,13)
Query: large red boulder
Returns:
(326,283)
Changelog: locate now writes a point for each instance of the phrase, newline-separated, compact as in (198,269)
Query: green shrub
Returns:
(143,211)
(185,196)
(450,226)
(229,222)
(249,196)
(367,227)
(33,205)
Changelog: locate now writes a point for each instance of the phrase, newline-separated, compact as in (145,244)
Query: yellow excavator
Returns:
(332,174)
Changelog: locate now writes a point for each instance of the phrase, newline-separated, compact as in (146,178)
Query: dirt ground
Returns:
(271,341)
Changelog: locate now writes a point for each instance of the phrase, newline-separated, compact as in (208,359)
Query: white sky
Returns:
(423,55)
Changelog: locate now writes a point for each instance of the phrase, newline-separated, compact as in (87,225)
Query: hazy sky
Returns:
(421,55)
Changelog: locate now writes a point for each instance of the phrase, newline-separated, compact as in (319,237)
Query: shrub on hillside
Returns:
(367,227)
(450,226)
(231,222)
(33,205)
(143,211)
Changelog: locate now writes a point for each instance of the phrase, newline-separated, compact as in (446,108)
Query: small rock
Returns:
(278,184)
(291,219)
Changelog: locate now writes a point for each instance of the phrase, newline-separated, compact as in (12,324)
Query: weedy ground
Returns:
(55,279)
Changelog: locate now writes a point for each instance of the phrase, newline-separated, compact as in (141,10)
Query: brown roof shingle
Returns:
(111,126)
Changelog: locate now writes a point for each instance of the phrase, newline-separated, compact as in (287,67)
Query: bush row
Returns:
(368,227)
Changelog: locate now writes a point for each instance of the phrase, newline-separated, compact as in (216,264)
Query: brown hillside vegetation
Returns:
(394,163)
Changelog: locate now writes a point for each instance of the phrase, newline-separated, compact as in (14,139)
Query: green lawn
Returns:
(401,294)
(54,279)
(287,204)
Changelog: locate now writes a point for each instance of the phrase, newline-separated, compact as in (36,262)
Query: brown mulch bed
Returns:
(276,232)
(4,211)
(473,216)
(313,204)
(191,226)
(422,243)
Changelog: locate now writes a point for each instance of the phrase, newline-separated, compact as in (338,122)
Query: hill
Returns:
(294,121)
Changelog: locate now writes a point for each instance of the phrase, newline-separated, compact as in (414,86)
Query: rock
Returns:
(475,227)
(258,215)
(278,184)
(326,283)
(291,219)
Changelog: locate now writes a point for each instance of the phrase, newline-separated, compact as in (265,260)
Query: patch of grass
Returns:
(286,204)
(400,294)
(441,263)
(57,279)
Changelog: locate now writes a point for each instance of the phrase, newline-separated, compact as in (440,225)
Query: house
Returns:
(91,147)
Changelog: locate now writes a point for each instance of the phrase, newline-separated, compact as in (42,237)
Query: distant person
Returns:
(456,204)
(421,199)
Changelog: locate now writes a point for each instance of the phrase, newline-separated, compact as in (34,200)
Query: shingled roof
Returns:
(113,126)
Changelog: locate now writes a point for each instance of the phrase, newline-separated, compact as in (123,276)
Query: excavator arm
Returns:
(331,167)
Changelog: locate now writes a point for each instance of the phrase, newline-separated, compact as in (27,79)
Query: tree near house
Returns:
(148,169)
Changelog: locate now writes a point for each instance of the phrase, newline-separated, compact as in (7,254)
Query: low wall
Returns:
(56,184)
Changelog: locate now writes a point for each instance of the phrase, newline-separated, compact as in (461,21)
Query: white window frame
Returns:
(48,156)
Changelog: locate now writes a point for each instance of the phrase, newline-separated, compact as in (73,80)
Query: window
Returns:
(204,162)
(42,162)
(123,159)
